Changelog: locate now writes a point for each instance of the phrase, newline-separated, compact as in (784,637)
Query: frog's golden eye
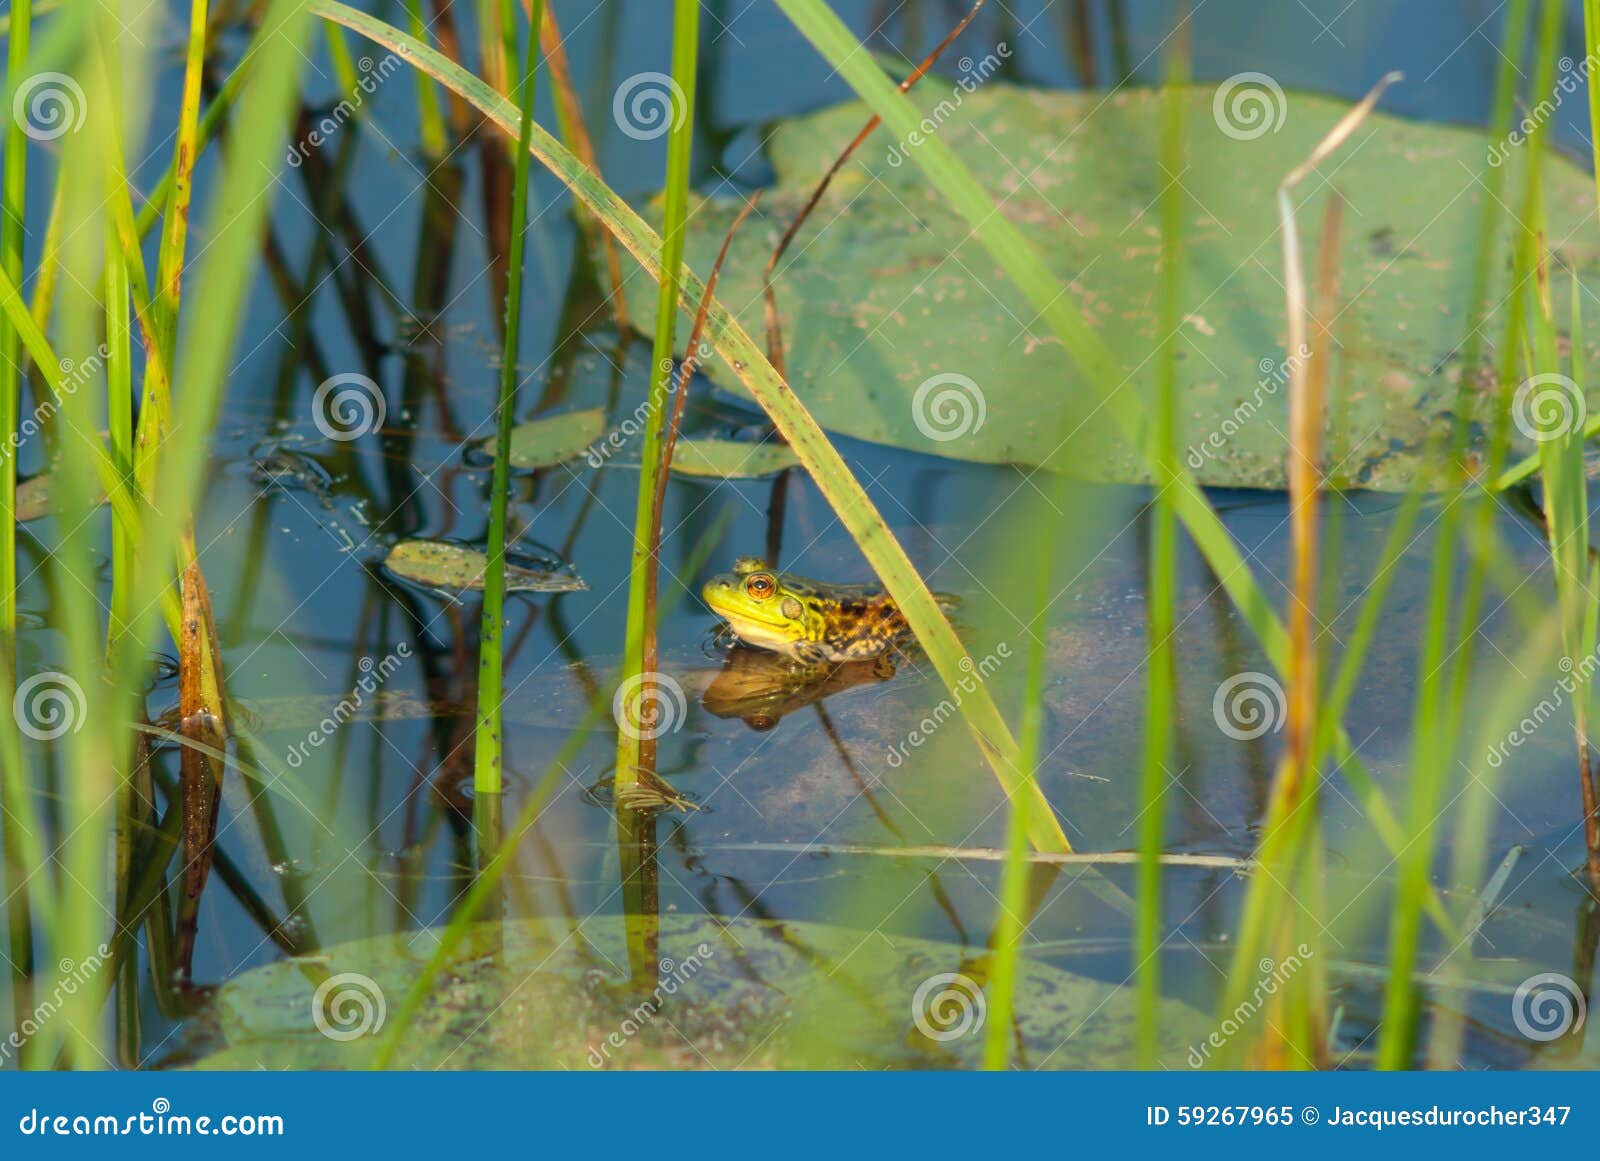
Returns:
(760,586)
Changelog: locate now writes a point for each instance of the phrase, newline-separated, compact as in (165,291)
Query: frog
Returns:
(806,620)
(279,467)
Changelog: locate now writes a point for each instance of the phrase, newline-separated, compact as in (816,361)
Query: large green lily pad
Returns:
(723,993)
(886,294)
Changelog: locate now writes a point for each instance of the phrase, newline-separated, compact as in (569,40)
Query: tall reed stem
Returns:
(17,833)
(1161,679)
(636,736)
(486,775)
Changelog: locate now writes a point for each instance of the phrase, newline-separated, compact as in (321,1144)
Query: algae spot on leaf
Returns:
(438,564)
(552,439)
(731,459)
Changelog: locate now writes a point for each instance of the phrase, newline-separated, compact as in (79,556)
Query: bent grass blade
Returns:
(741,353)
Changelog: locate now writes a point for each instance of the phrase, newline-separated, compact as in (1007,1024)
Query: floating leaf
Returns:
(35,497)
(552,439)
(901,329)
(441,565)
(732,993)
(731,459)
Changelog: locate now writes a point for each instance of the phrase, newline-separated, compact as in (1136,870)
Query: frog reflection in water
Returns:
(810,640)
(762,688)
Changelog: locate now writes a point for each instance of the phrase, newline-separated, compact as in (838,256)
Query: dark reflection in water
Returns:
(762,688)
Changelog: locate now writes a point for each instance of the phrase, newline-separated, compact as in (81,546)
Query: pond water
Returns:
(362,685)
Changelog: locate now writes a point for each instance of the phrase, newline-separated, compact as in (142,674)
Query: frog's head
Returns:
(760,606)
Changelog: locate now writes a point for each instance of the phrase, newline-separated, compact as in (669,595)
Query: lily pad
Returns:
(901,329)
(36,497)
(33,498)
(552,439)
(439,564)
(731,459)
(720,993)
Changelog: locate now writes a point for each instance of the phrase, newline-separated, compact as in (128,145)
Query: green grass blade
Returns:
(1493,178)
(746,359)
(233,232)
(1591,40)
(1100,373)
(175,222)
(1016,871)
(1161,680)
(430,117)
(486,778)
(480,896)
(634,744)
(343,61)
(839,47)
(84,754)
(219,108)
(20,833)
(13,212)
(1443,664)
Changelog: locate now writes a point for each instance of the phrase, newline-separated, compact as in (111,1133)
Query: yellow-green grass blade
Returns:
(21,827)
(486,778)
(1100,374)
(746,359)
(632,740)
(175,220)
(1161,679)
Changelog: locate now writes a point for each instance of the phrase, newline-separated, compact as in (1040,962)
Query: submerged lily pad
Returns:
(441,565)
(33,498)
(903,330)
(36,497)
(552,439)
(731,459)
(722,993)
